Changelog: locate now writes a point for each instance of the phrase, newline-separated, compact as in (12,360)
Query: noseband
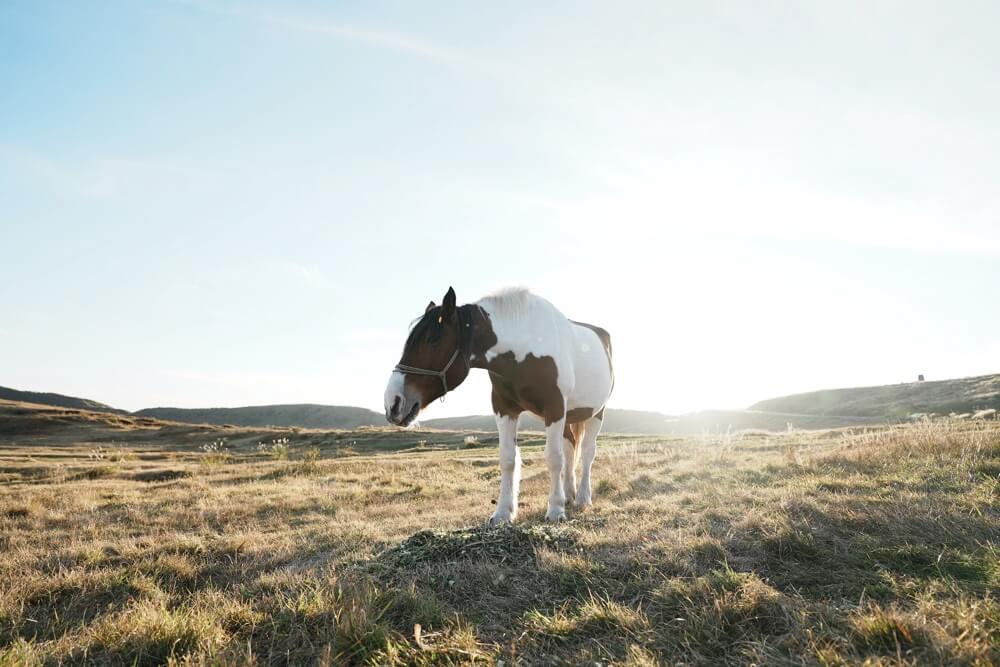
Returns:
(441,374)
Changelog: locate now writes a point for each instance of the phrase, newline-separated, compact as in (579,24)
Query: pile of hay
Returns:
(506,543)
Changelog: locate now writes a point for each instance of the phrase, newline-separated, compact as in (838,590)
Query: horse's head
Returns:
(435,360)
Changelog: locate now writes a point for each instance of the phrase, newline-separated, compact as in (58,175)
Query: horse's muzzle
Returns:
(402,405)
(400,412)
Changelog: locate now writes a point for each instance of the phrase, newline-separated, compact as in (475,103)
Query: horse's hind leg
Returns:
(572,436)
(588,450)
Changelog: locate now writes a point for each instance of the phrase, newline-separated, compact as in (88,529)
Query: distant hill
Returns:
(895,401)
(306,415)
(57,400)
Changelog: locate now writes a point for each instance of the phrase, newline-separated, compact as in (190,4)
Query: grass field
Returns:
(126,541)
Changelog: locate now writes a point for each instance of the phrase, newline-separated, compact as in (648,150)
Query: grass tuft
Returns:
(886,632)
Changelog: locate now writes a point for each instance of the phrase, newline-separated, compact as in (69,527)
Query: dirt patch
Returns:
(159,475)
(16,513)
(502,544)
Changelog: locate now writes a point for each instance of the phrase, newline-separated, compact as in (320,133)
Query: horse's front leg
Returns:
(555,457)
(510,471)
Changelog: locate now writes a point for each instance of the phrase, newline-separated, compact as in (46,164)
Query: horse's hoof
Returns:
(584,502)
(555,516)
(499,518)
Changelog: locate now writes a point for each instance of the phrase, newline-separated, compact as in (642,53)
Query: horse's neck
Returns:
(483,337)
(533,330)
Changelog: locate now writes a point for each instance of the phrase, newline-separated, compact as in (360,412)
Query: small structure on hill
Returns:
(920,378)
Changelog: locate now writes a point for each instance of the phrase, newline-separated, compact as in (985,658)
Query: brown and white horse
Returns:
(539,362)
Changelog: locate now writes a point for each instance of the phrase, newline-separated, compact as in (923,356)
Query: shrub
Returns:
(278,449)
(215,453)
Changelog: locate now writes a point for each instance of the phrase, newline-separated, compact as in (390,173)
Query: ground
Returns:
(127,541)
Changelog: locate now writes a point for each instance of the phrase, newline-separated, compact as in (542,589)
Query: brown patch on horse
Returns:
(526,385)
(577,415)
(503,405)
(483,337)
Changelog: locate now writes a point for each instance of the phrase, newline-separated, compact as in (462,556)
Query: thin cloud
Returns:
(667,199)
(381,38)
(377,37)
(103,176)
(308,274)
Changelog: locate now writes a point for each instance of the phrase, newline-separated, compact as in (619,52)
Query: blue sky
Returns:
(228,203)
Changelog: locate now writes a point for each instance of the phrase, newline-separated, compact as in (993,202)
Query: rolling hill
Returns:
(894,401)
(306,415)
(57,400)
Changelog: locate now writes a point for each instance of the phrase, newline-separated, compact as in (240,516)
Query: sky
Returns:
(234,203)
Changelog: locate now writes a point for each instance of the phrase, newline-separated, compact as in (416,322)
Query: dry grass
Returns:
(873,546)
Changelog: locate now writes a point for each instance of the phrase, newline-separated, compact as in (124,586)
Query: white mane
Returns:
(511,303)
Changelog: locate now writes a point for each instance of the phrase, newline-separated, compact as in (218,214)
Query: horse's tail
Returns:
(578,430)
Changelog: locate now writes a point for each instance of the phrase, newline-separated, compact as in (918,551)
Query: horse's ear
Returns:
(448,305)
(429,306)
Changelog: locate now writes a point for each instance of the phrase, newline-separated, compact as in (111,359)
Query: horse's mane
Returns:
(510,302)
(429,326)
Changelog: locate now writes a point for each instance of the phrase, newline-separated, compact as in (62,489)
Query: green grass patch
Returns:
(916,560)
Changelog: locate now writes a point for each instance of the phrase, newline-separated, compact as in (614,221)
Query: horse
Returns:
(538,362)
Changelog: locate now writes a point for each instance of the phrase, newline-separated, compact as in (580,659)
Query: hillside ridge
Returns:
(57,400)
(306,415)
(894,401)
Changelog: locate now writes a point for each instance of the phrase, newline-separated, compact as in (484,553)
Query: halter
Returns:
(441,374)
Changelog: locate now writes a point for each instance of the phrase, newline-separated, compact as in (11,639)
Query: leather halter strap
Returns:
(441,374)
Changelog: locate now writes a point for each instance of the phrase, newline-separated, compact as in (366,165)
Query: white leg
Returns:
(588,450)
(510,471)
(554,457)
(569,470)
